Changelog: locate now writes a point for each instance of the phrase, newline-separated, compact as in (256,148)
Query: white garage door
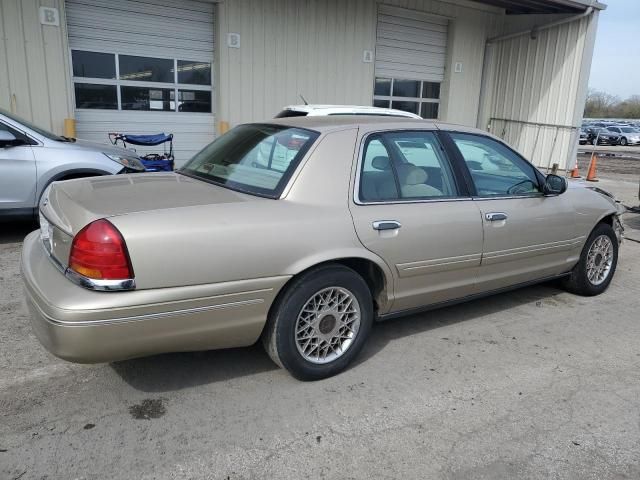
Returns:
(411,49)
(143,67)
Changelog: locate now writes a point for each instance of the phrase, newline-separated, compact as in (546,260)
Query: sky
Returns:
(616,60)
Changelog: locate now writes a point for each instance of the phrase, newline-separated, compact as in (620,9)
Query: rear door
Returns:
(411,208)
(17,172)
(527,235)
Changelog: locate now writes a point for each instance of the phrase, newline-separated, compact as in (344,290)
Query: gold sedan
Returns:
(302,232)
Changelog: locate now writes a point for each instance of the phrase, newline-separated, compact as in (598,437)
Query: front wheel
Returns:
(624,142)
(320,323)
(598,260)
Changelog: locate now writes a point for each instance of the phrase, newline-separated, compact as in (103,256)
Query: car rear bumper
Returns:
(85,326)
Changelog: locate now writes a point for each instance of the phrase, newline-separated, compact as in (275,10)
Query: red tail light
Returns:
(98,251)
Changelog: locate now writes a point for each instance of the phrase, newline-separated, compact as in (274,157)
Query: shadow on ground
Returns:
(14,231)
(176,371)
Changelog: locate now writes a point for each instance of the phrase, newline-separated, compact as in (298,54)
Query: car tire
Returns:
(597,265)
(624,142)
(300,329)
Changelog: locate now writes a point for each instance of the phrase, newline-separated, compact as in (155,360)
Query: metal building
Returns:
(517,67)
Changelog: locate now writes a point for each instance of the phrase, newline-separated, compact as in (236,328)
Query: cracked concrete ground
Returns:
(535,383)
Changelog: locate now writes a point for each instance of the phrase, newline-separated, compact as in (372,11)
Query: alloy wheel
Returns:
(327,325)
(599,260)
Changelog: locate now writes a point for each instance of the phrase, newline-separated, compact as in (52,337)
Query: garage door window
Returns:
(415,96)
(89,95)
(111,81)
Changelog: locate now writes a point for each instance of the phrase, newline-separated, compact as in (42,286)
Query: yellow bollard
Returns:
(223,127)
(70,127)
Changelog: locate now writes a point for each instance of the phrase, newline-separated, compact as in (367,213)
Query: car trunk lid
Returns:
(69,206)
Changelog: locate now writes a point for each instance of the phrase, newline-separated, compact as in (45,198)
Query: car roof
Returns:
(371,123)
(361,109)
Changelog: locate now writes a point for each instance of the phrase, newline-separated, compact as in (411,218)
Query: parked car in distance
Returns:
(31,158)
(360,219)
(628,135)
(602,136)
(324,110)
(583,136)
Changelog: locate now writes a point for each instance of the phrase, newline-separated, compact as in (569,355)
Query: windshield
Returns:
(628,130)
(256,159)
(31,126)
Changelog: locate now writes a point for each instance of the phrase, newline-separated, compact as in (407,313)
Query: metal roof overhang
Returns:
(523,7)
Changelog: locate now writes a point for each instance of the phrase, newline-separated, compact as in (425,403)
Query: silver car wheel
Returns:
(327,325)
(599,260)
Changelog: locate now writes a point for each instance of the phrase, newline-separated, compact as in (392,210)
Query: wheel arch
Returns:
(374,271)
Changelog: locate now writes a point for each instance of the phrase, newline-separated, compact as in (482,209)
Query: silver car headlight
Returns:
(129,162)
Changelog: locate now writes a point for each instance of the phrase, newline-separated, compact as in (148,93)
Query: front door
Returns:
(413,211)
(17,173)
(527,236)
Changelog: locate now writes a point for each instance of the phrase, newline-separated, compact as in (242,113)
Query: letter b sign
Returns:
(49,16)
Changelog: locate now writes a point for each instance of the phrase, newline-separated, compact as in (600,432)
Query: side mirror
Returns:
(6,138)
(555,185)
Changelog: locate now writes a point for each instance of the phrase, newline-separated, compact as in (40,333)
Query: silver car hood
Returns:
(80,144)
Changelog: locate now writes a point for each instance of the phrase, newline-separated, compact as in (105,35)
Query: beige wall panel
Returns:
(315,48)
(34,78)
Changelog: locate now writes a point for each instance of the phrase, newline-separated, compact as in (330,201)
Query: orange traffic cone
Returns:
(591,175)
(575,173)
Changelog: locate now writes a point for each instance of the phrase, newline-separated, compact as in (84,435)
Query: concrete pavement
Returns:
(536,383)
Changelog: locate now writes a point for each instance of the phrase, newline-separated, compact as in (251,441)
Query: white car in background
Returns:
(322,110)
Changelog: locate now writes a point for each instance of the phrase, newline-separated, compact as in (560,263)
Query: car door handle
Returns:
(386,225)
(495,216)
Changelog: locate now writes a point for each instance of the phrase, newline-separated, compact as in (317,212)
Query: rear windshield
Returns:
(291,113)
(256,159)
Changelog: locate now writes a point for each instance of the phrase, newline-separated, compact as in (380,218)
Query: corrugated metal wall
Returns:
(34,68)
(315,48)
(535,88)
(410,45)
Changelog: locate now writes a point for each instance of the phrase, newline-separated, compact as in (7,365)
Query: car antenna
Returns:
(304,100)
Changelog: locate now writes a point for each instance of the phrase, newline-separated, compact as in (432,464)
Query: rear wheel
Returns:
(624,142)
(598,260)
(320,323)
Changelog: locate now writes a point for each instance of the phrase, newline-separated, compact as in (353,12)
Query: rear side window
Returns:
(290,113)
(405,166)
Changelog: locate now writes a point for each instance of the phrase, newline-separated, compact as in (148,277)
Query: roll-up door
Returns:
(142,67)
(411,49)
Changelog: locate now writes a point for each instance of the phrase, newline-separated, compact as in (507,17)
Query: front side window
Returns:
(495,169)
(21,139)
(405,166)
(256,159)
(415,96)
